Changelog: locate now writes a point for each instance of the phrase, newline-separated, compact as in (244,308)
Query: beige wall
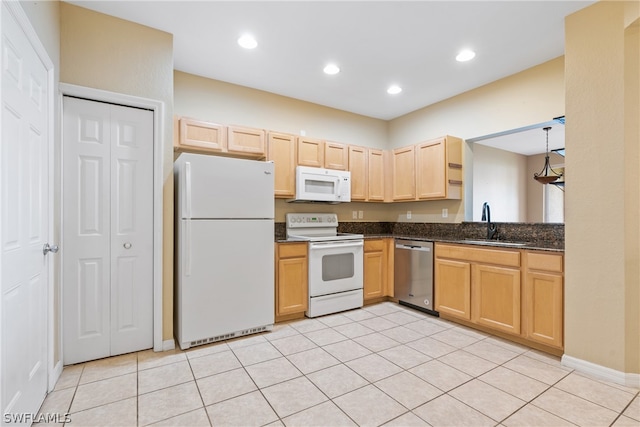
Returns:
(499,178)
(108,53)
(532,96)
(226,103)
(602,261)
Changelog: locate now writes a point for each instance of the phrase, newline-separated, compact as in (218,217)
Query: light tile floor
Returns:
(381,365)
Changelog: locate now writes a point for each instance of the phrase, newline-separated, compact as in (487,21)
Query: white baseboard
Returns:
(623,378)
(168,345)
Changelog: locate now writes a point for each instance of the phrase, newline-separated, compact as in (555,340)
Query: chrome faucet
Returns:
(486,216)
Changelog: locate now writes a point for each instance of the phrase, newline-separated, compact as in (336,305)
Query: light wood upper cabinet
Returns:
(310,152)
(543,300)
(439,169)
(291,279)
(282,151)
(430,173)
(336,156)
(212,138)
(404,178)
(375,173)
(198,135)
(358,168)
(246,141)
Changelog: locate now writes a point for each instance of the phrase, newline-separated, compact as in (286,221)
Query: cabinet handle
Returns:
(455,165)
(455,182)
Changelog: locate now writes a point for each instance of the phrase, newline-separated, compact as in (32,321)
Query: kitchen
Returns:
(271,111)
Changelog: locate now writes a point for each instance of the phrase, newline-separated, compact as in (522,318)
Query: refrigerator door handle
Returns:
(187,189)
(186,248)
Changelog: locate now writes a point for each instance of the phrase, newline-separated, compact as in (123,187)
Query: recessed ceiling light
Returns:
(465,55)
(247,41)
(331,69)
(394,90)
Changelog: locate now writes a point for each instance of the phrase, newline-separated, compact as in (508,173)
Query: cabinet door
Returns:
(375,172)
(375,269)
(336,156)
(282,151)
(430,170)
(453,288)
(310,152)
(496,297)
(404,173)
(292,286)
(201,136)
(246,141)
(358,169)
(543,308)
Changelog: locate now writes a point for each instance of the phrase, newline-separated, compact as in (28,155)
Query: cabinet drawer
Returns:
(373,245)
(473,254)
(545,262)
(290,250)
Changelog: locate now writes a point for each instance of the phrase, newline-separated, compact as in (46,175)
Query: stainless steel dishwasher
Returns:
(413,274)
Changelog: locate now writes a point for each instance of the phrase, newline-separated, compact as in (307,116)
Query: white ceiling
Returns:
(528,140)
(375,43)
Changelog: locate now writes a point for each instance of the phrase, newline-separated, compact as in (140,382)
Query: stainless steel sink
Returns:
(495,242)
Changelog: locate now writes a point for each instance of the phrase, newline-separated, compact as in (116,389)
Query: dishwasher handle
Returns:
(413,247)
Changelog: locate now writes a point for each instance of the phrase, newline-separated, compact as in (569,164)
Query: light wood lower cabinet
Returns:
(291,279)
(378,269)
(453,287)
(375,269)
(516,292)
(495,296)
(543,301)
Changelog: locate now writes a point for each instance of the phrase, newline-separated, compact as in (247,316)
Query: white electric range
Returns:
(335,262)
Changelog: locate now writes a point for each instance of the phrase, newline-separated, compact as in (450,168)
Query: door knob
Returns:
(127,245)
(50,248)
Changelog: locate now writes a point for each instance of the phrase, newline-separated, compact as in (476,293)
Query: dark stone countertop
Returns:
(544,237)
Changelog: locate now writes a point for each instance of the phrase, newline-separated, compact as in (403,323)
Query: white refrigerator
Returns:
(224,248)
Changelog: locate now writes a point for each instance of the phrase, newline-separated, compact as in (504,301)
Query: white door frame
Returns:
(14,7)
(158,136)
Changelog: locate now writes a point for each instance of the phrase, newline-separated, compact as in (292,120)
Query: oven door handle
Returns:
(336,245)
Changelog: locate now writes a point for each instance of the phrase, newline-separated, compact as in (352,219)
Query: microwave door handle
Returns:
(338,188)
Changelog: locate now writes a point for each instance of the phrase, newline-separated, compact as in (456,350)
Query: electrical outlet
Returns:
(303,132)
(354,214)
(445,212)
(408,214)
(360,214)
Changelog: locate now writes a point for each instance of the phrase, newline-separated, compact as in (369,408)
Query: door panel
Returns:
(25,218)
(131,229)
(85,180)
(108,235)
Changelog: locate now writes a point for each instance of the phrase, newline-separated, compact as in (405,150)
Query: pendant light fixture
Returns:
(547,175)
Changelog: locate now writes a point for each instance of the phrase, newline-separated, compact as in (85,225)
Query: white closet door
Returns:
(107,208)
(131,229)
(24,224)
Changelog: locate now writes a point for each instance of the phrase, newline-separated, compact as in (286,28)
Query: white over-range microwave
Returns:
(322,185)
